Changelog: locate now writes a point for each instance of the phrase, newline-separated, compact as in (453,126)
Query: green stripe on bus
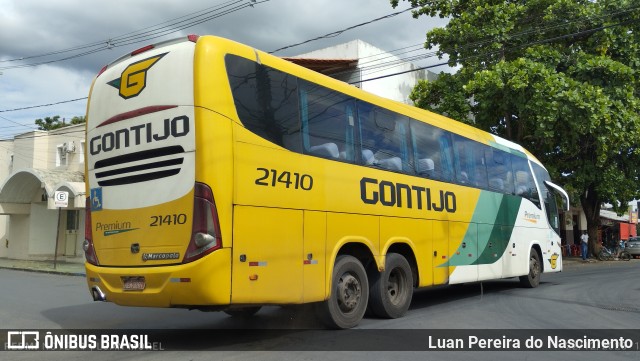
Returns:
(495,243)
(490,230)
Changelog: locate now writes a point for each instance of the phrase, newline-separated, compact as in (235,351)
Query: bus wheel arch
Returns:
(535,268)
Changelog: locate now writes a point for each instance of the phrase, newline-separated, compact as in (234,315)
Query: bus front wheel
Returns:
(532,279)
(392,289)
(349,294)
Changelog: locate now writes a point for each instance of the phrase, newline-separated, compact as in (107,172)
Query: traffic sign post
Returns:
(61,199)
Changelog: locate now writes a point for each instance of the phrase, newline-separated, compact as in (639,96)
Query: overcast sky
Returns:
(31,28)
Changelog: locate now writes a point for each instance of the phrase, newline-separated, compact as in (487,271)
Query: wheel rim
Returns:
(349,292)
(395,286)
(534,267)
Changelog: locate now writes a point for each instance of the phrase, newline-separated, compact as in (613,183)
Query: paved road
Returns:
(585,296)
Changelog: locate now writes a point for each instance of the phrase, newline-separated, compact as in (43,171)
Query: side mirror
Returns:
(556,188)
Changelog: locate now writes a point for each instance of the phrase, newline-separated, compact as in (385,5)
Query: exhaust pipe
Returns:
(97,294)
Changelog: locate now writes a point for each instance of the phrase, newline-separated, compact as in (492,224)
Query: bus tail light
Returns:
(205,235)
(142,50)
(87,245)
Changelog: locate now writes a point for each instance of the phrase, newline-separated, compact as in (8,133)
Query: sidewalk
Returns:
(568,261)
(61,267)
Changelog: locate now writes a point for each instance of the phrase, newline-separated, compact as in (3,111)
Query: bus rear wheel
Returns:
(392,289)
(349,294)
(532,280)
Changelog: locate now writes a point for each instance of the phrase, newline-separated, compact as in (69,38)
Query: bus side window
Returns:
(384,138)
(446,153)
(426,150)
(327,122)
(266,101)
(499,170)
(470,163)
(523,180)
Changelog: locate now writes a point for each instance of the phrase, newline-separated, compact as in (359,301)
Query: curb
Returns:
(51,271)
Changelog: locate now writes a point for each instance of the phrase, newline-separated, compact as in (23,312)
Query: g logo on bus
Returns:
(554,260)
(133,79)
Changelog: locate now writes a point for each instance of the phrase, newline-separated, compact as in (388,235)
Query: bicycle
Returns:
(608,254)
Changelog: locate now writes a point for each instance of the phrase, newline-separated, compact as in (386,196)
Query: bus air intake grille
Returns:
(139,166)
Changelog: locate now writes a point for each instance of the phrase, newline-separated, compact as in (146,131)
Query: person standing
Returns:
(584,244)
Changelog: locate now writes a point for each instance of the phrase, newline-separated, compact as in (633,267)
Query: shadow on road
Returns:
(430,297)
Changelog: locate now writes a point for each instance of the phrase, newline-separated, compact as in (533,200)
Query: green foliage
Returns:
(559,77)
(51,123)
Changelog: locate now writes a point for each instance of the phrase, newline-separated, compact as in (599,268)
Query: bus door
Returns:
(267,255)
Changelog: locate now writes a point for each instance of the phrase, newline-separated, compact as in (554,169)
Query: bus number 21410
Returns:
(168,219)
(273,178)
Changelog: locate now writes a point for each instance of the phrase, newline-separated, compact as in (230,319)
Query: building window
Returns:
(61,155)
(73,220)
(81,153)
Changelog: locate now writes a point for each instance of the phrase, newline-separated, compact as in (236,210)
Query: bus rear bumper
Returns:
(205,282)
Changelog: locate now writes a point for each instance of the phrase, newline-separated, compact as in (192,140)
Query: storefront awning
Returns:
(614,216)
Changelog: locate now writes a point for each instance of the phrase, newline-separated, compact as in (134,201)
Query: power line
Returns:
(120,41)
(169,24)
(564,23)
(152,32)
(181,25)
(47,133)
(43,105)
(109,43)
(338,32)
(14,122)
(600,28)
(428,55)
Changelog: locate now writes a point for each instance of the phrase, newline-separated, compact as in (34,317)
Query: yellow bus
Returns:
(220,177)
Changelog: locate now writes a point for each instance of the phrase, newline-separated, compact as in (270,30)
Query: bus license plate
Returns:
(133,283)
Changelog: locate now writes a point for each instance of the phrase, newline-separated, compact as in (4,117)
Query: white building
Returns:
(33,166)
(367,67)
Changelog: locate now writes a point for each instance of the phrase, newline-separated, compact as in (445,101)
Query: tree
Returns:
(559,77)
(51,123)
(79,119)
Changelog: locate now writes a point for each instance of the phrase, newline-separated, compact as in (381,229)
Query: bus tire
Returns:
(392,289)
(532,279)
(242,312)
(347,302)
